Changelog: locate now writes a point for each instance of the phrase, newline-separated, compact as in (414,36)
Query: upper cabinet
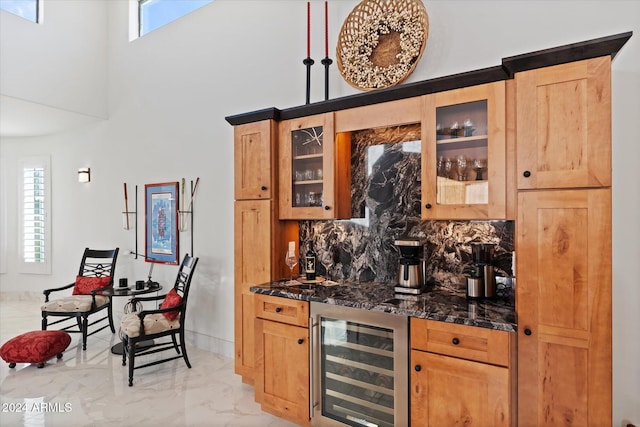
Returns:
(564,125)
(464,149)
(310,159)
(254,160)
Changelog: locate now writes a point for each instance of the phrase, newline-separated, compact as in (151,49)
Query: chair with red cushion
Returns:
(92,292)
(155,327)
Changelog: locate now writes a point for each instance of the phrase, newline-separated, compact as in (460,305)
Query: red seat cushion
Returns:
(35,347)
(172,299)
(84,285)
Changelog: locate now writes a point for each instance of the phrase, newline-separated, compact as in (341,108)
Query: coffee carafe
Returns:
(482,283)
(410,266)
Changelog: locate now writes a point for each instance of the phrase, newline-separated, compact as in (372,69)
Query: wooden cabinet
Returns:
(463,153)
(461,375)
(254,161)
(310,163)
(282,357)
(256,230)
(564,308)
(564,125)
(563,242)
(252,266)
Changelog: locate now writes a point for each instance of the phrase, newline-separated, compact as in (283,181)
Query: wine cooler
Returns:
(359,362)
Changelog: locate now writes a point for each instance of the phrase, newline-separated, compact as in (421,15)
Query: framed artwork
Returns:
(161,222)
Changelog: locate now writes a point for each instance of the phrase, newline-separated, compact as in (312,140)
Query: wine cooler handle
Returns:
(313,342)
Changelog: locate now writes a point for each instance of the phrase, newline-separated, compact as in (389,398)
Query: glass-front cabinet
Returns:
(308,182)
(464,153)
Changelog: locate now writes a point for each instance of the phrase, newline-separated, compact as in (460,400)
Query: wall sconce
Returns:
(84,175)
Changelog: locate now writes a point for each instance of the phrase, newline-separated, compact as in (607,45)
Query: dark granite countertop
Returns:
(435,304)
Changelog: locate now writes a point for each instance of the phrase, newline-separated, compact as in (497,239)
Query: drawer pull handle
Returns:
(455,341)
(527,332)
(278,309)
(428,206)
(418,368)
(263,188)
(327,208)
(526,174)
(300,341)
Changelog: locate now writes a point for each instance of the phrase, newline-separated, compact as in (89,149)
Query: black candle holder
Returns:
(308,62)
(326,62)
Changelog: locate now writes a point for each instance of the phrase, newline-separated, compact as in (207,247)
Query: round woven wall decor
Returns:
(381,42)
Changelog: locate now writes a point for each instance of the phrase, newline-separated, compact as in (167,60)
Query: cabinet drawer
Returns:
(293,312)
(467,342)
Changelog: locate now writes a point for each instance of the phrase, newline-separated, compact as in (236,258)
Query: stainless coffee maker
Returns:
(482,282)
(411,266)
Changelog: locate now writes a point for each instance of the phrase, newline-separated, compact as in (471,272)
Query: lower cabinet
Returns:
(282,357)
(461,375)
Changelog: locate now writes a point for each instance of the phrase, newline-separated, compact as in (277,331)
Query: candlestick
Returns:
(326,62)
(308,62)
(126,205)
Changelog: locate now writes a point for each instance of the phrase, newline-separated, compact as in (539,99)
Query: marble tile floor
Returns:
(90,388)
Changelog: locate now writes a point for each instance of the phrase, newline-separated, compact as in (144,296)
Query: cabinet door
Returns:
(252,261)
(253,160)
(446,391)
(282,370)
(564,125)
(464,149)
(308,163)
(564,308)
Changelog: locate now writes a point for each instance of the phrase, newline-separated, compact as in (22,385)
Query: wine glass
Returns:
(326,259)
(479,165)
(461,168)
(291,260)
(448,165)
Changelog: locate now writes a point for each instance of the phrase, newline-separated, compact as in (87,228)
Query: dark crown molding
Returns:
(603,46)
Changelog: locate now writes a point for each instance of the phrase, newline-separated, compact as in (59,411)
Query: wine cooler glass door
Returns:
(362,368)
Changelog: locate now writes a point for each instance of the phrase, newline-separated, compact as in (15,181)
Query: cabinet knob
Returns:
(300,341)
(455,341)
(526,174)
(278,309)
(326,208)
(418,368)
(263,188)
(428,206)
(527,331)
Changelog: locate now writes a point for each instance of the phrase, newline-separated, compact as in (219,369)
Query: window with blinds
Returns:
(35,223)
(33,230)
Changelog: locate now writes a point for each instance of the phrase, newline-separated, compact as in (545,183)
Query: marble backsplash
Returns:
(386,202)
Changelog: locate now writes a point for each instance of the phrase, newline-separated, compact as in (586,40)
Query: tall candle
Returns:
(326,29)
(308,29)
(292,248)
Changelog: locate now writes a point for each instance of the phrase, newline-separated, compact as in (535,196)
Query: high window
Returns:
(153,14)
(35,219)
(27,9)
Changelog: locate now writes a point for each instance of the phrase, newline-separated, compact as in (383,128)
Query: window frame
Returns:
(137,16)
(43,162)
(38,12)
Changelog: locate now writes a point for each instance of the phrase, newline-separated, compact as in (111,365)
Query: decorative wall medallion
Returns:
(381,42)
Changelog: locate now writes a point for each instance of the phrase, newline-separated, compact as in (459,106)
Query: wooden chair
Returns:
(92,292)
(154,327)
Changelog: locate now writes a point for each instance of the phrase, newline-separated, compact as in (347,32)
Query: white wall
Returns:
(169,91)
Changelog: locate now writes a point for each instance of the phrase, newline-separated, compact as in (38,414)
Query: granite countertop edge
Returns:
(439,305)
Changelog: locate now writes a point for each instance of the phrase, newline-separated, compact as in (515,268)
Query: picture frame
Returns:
(161,223)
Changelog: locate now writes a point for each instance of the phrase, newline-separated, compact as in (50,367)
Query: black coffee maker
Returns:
(411,266)
(482,283)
